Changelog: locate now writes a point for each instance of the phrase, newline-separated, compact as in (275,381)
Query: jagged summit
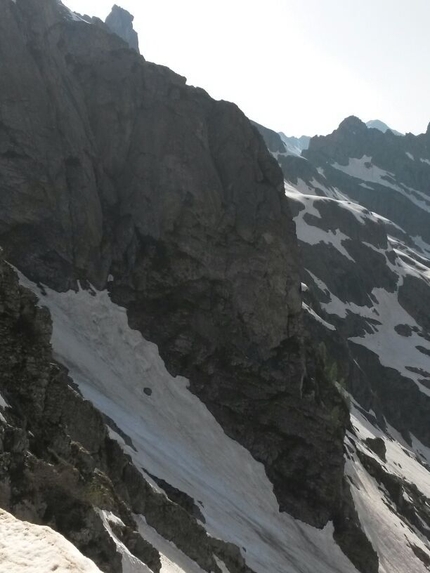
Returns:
(352,123)
(120,21)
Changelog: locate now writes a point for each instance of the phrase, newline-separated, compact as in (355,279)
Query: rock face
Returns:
(113,167)
(121,22)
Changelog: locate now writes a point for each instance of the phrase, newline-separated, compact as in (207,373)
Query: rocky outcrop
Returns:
(121,22)
(53,443)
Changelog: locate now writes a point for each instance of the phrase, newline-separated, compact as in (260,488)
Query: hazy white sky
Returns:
(298,66)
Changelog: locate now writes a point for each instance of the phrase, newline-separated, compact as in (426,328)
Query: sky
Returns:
(297,66)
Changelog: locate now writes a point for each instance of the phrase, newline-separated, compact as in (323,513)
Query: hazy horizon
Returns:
(293,66)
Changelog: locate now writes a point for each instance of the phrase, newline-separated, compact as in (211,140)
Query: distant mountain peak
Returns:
(295,145)
(381,126)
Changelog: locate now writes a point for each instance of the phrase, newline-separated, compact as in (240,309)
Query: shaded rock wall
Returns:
(111,165)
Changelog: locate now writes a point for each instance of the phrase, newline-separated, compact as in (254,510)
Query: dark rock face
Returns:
(121,22)
(377,445)
(272,139)
(403,404)
(112,165)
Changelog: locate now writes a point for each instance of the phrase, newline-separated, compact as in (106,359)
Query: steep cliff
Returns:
(114,173)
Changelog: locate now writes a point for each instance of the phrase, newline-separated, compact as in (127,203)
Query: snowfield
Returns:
(389,535)
(26,548)
(178,440)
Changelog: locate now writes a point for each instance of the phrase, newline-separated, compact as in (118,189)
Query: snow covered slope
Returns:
(171,435)
(386,491)
(26,547)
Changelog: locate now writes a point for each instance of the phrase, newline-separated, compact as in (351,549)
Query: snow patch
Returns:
(312,234)
(317,317)
(3,405)
(393,349)
(172,559)
(26,547)
(389,535)
(130,563)
(365,170)
(221,565)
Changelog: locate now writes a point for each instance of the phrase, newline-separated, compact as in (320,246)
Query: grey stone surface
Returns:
(121,22)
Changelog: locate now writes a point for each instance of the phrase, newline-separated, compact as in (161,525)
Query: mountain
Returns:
(295,145)
(213,355)
(163,406)
(360,200)
(280,144)
(378,124)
